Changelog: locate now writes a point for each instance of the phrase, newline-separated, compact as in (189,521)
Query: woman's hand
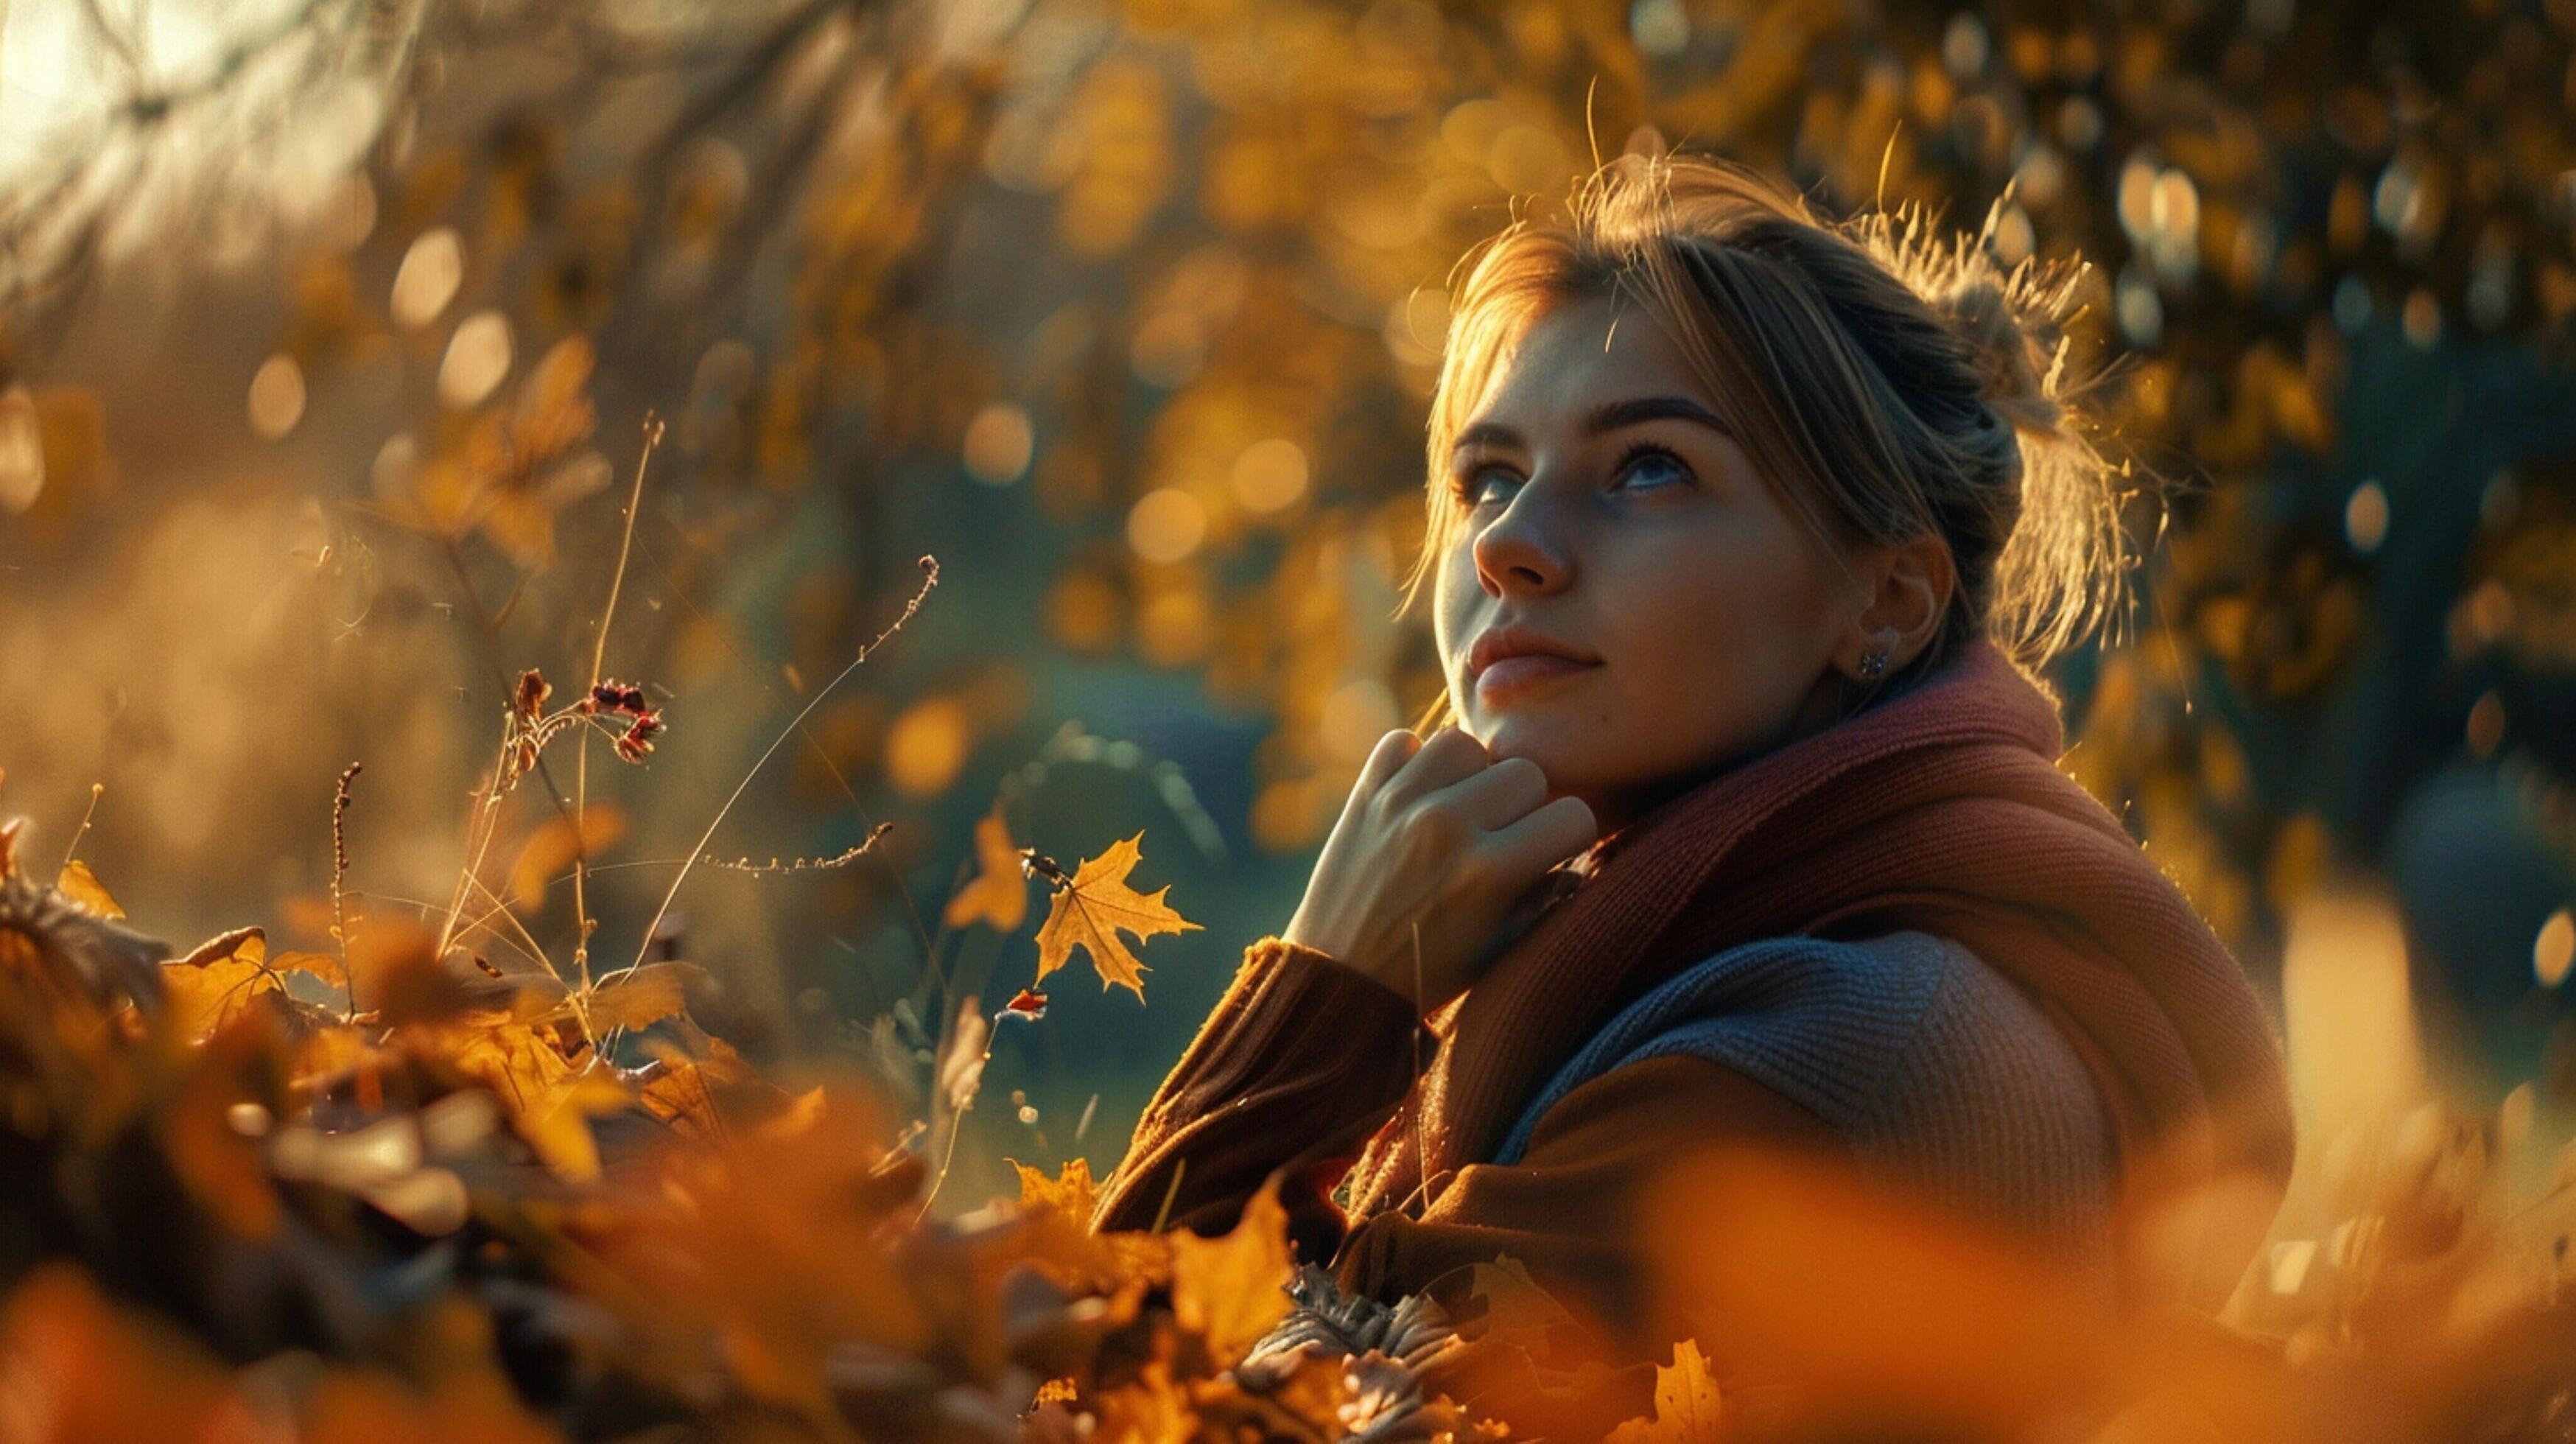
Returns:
(1435,833)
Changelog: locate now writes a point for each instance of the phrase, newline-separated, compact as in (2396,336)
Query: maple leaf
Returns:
(1091,910)
(999,893)
(222,974)
(1071,1190)
(1688,1407)
(637,998)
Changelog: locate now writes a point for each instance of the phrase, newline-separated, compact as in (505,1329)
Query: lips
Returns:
(1506,661)
(1496,644)
(1514,675)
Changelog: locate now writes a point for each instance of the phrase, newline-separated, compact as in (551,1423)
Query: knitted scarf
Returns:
(1941,809)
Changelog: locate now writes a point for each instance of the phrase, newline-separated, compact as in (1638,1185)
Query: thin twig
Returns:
(930,578)
(339,871)
(1171,1191)
(73,851)
(581,766)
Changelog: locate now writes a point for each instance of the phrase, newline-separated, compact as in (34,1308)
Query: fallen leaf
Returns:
(82,886)
(1071,1190)
(999,893)
(215,979)
(1232,1289)
(638,997)
(1090,911)
(1688,1407)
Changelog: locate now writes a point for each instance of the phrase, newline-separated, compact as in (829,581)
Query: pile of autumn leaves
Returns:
(378,1193)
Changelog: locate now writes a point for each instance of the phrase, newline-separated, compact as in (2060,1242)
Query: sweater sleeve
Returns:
(1298,1064)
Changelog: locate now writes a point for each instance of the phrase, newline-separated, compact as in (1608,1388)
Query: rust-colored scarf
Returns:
(1940,809)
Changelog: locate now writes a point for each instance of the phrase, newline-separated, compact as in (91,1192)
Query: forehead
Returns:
(1581,352)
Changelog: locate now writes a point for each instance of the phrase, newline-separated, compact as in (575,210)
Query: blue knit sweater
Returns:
(1934,1067)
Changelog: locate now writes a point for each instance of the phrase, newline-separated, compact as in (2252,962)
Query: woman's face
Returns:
(1605,507)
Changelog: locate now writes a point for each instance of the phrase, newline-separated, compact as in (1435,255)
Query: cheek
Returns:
(1742,606)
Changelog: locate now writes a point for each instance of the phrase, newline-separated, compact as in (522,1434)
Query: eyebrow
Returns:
(1605,418)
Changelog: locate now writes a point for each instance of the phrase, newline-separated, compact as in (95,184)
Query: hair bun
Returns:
(2016,347)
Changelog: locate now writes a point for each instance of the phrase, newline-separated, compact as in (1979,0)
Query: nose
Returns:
(1524,548)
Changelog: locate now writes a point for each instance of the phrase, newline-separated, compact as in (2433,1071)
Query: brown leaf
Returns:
(639,997)
(1094,907)
(713,1097)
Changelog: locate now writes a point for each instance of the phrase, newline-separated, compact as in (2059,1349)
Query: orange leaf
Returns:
(1232,1289)
(216,979)
(1092,910)
(1688,1408)
(1070,1191)
(999,894)
(321,965)
(640,997)
(82,886)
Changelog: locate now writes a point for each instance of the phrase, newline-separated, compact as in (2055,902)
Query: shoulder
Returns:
(1920,1054)
(1990,1107)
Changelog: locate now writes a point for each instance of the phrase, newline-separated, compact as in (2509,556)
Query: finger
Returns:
(1448,755)
(1497,796)
(1547,836)
(1384,760)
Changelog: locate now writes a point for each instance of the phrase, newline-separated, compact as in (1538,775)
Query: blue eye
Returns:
(1649,466)
(1469,487)
(1654,463)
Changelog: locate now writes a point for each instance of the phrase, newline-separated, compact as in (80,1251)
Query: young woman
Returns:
(1744,823)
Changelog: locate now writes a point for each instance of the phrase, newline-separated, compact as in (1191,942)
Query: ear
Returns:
(1908,593)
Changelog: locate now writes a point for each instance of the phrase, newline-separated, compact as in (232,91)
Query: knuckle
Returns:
(1438,826)
(1457,740)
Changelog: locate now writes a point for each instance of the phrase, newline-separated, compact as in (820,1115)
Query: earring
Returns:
(1871,664)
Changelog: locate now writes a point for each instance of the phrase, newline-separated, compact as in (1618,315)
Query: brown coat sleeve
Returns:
(1301,1060)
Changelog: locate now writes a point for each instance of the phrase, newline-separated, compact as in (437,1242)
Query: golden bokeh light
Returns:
(1166,524)
(2347,1013)
(926,746)
(428,278)
(276,397)
(999,443)
(2554,949)
(1175,626)
(1270,475)
(478,357)
(22,451)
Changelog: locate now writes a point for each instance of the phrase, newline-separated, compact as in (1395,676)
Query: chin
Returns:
(1560,748)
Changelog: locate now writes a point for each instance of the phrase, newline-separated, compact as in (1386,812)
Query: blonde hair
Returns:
(1894,381)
